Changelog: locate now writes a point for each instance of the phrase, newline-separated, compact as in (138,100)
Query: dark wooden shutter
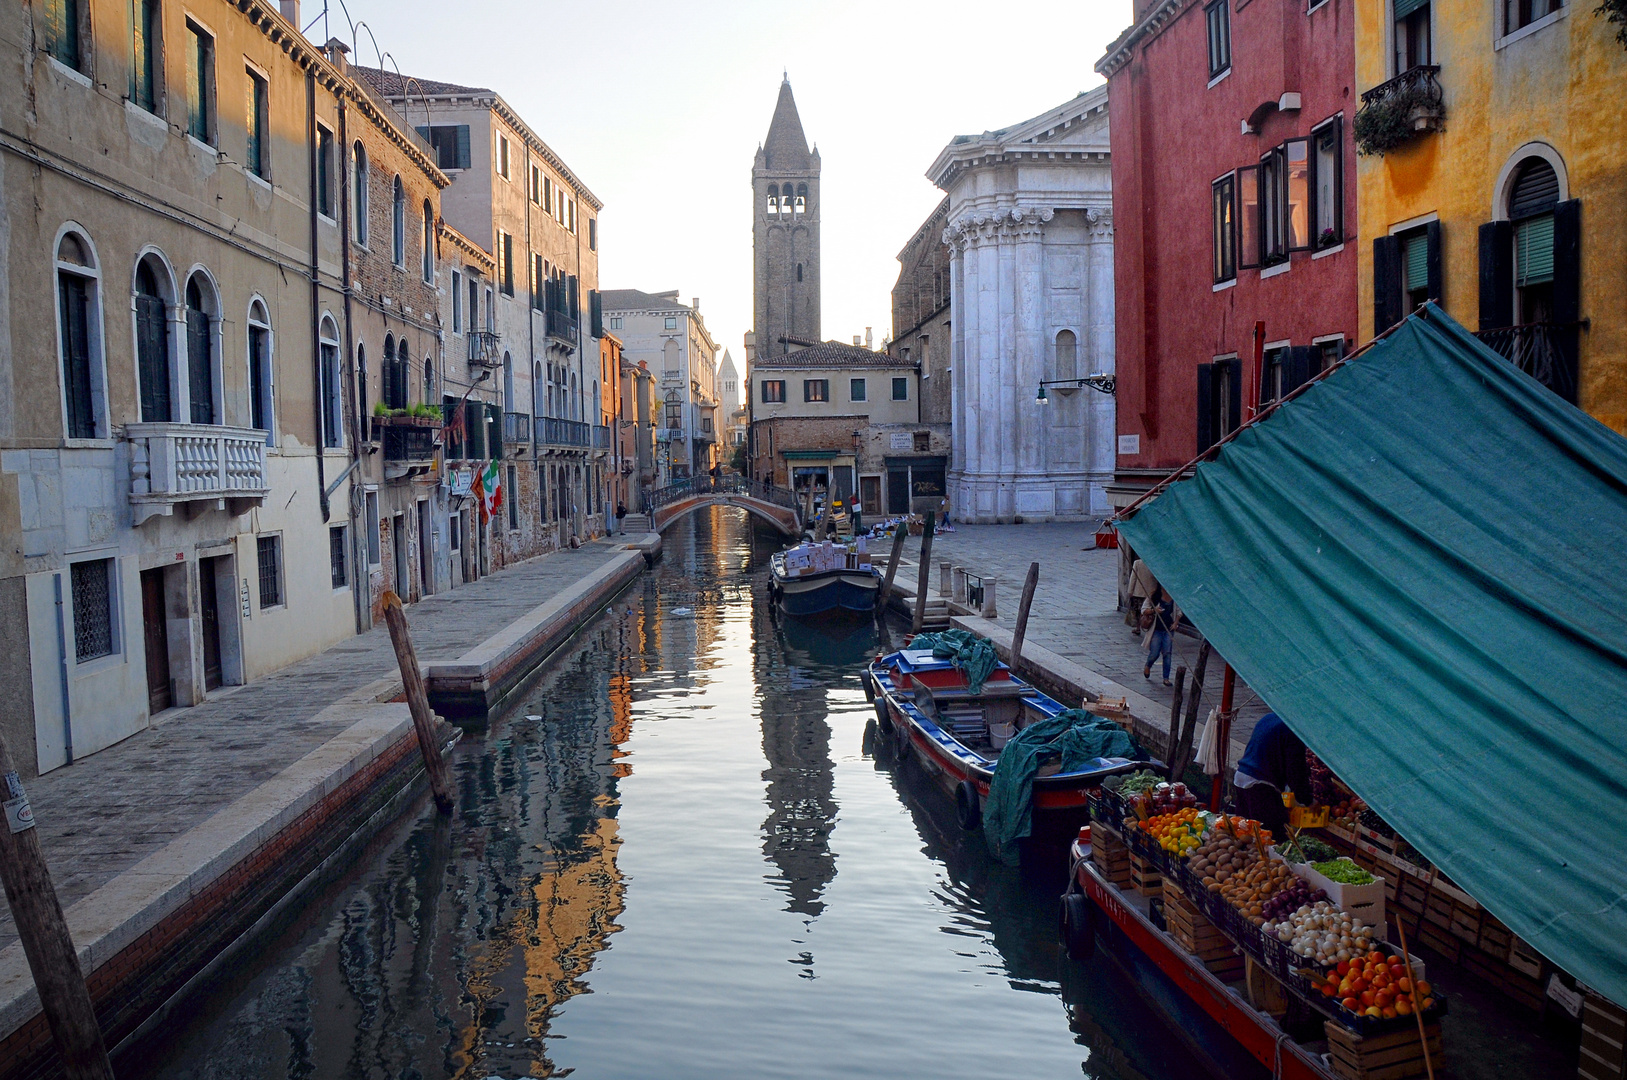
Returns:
(1234,381)
(1432,242)
(1206,406)
(573,298)
(463,146)
(1386,282)
(152,359)
(494,422)
(1299,367)
(1568,292)
(1496,275)
(474,419)
(596,312)
(76,356)
(200,373)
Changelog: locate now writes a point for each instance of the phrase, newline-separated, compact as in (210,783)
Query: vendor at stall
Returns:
(1273,764)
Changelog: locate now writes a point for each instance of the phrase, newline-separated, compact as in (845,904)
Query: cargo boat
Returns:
(820,592)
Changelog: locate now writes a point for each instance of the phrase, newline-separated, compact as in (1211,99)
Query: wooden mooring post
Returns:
(423,721)
(925,572)
(43,930)
(1021,631)
(892,567)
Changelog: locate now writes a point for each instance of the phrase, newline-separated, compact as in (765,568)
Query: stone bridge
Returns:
(773,505)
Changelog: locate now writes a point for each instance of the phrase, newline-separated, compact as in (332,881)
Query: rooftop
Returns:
(639,300)
(831,354)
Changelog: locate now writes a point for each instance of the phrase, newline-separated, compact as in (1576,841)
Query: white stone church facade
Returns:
(1030,233)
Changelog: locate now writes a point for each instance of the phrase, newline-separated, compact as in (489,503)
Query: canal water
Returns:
(672,857)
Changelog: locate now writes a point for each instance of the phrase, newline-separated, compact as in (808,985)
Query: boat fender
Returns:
(869,687)
(901,740)
(884,717)
(968,805)
(1076,925)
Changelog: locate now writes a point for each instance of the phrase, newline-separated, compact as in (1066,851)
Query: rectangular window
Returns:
(324,172)
(1327,353)
(450,143)
(855,389)
(615,322)
(454,531)
(901,389)
(1533,252)
(572,223)
(200,83)
(1248,217)
(815,389)
(1296,206)
(672,322)
(1415,268)
(539,280)
(338,560)
(593,234)
(1413,47)
(457,302)
(74,293)
(92,586)
(268,557)
(536,185)
(508,497)
(1217,17)
(1522,13)
(1224,197)
(145,69)
(258,158)
(1273,215)
(62,30)
(372,526)
(502,156)
(508,264)
(1275,376)
(773,391)
(1328,192)
(921,441)
(548,193)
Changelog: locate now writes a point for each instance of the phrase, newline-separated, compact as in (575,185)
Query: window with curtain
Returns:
(1518,14)
(1328,188)
(1413,45)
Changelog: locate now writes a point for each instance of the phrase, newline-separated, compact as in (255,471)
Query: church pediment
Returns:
(1077,128)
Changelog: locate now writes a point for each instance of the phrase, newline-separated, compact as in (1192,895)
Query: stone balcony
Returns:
(197,467)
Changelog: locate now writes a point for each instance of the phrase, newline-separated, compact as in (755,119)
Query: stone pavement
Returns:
(106,812)
(1075,612)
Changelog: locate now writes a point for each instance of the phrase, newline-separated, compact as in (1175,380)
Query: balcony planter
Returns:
(1395,111)
(406,420)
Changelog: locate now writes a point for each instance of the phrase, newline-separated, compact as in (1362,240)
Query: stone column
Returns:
(1101,442)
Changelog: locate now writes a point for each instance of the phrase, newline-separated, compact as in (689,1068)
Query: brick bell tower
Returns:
(785,232)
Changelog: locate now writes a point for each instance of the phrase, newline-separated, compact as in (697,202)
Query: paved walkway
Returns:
(106,812)
(1075,612)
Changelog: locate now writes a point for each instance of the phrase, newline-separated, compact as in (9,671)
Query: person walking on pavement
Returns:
(1142,588)
(1161,641)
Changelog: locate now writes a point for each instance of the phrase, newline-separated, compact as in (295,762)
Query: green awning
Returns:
(1419,564)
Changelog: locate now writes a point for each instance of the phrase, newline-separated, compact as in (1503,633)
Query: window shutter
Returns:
(1206,407)
(596,312)
(1496,275)
(574,300)
(494,422)
(1386,282)
(1414,262)
(1567,261)
(1534,251)
(75,298)
(1432,260)
(1299,367)
(463,146)
(1248,216)
(1234,379)
(1403,8)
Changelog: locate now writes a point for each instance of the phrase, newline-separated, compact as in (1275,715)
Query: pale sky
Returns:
(659,109)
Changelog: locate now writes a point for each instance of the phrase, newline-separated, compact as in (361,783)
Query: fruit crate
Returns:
(1604,1034)
(1393,1055)
(1110,855)
(1366,1026)
(1146,877)
(1193,931)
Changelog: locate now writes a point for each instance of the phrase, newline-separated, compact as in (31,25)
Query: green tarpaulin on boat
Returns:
(973,656)
(1420,563)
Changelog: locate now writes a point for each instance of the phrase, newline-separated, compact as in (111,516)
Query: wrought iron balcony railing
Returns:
(561,326)
(409,444)
(1544,351)
(1393,112)
(517,428)
(570,434)
(484,348)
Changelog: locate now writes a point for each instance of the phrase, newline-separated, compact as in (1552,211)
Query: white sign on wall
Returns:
(1129,444)
(901,440)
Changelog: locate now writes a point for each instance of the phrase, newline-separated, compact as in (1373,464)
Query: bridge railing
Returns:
(724,485)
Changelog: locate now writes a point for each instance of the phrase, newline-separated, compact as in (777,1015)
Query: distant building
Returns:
(785,232)
(922,324)
(846,419)
(671,337)
(1030,235)
(730,412)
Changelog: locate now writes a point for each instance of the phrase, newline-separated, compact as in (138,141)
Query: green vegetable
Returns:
(1315,851)
(1344,872)
(1137,782)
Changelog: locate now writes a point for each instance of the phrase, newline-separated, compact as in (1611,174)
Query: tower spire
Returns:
(786,146)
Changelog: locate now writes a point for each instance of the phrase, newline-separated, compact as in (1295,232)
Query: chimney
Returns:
(867,339)
(855,340)
(290,11)
(337,52)
(695,304)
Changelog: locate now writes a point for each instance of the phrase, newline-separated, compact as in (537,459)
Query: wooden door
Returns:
(155,632)
(209,607)
(870,495)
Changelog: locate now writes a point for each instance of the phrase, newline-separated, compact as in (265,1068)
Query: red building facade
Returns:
(1234,173)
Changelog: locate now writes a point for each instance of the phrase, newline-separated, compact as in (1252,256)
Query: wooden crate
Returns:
(1111,857)
(1604,1040)
(1495,938)
(1448,946)
(1440,910)
(1465,922)
(1265,991)
(1145,877)
(1524,959)
(1397,1055)
(1198,936)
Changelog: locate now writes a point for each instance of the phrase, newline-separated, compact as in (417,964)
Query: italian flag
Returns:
(488,487)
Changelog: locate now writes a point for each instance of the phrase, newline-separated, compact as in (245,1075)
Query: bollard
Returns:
(988,611)
(959,589)
(943,578)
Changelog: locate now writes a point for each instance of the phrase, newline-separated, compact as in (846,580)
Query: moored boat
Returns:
(807,587)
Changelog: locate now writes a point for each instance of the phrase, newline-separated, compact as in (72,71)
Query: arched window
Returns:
(153,291)
(333,413)
(261,410)
(79,340)
(773,198)
(361,392)
(398,225)
(358,187)
(1532,199)
(802,198)
(201,321)
(1067,355)
(429,380)
(537,389)
(429,242)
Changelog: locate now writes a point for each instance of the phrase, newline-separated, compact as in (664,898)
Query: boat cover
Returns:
(971,654)
(1079,738)
(1418,562)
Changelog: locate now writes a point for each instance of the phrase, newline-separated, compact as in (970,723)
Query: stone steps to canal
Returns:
(170,846)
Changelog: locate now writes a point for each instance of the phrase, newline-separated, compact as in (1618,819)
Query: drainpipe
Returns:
(361,598)
(62,648)
(316,294)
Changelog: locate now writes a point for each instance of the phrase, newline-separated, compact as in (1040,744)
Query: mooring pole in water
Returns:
(892,567)
(924,572)
(1021,632)
(423,721)
(43,930)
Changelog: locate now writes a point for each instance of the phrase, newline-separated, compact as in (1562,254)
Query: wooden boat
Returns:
(925,706)
(850,589)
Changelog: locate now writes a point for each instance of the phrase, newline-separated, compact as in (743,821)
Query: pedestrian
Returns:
(1142,587)
(621,512)
(1161,642)
(1273,763)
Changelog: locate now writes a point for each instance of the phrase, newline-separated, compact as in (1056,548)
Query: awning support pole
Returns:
(1223,734)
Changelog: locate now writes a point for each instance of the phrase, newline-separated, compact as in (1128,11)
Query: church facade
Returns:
(1030,237)
(785,234)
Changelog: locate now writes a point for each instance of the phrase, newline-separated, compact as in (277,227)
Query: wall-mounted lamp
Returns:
(1100,381)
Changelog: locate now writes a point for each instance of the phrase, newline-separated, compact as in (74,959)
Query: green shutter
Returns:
(1534,251)
(1403,8)
(1415,263)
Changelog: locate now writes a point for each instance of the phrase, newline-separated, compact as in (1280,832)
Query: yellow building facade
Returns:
(1493,179)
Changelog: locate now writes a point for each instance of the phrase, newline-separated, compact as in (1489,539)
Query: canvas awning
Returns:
(1420,562)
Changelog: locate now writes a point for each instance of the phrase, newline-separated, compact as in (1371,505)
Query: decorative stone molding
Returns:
(1099,222)
(1121,51)
(977,228)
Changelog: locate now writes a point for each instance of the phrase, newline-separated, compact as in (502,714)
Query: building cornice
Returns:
(1027,141)
(468,247)
(1120,52)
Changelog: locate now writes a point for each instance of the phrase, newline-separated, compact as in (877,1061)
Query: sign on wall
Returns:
(901,440)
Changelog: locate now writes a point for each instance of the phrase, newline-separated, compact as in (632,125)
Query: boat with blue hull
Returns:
(811,593)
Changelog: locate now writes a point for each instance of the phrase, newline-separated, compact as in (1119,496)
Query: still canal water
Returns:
(672,858)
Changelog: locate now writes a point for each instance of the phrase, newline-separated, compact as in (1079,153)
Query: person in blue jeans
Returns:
(1161,641)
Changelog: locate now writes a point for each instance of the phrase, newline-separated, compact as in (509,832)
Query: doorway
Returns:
(398,541)
(426,560)
(870,495)
(209,608)
(155,634)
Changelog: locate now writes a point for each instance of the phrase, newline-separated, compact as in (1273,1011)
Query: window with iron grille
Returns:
(338,565)
(92,609)
(268,551)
